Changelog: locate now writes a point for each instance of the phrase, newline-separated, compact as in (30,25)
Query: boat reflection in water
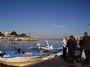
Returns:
(28,57)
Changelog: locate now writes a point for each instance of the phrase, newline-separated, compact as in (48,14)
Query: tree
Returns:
(23,35)
(14,33)
(1,34)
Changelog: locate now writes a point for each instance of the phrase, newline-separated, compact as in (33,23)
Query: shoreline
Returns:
(13,38)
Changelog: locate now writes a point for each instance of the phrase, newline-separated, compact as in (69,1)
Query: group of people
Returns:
(70,47)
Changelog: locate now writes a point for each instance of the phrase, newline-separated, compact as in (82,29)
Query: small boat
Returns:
(48,46)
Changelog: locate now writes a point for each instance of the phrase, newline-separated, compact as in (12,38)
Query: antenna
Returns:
(47,42)
(38,45)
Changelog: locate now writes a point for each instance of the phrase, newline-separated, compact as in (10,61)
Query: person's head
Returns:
(81,38)
(72,37)
(0,51)
(85,34)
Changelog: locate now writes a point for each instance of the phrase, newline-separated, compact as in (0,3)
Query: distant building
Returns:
(89,29)
(7,33)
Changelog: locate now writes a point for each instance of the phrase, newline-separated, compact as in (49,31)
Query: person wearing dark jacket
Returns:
(71,44)
(86,46)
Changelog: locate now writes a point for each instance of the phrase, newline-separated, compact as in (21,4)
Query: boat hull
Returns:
(20,61)
(24,61)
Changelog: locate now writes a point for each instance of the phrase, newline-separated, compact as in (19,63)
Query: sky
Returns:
(45,16)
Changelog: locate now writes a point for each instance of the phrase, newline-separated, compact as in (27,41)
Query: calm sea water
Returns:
(8,45)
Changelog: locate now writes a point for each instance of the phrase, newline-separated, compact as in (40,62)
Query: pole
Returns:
(89,29)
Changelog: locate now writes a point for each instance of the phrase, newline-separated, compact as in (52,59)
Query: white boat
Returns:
(48,47)
(24,61)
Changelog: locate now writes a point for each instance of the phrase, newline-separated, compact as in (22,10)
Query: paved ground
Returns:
(55,62)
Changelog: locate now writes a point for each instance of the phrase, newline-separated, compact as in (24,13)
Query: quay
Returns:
(58,62)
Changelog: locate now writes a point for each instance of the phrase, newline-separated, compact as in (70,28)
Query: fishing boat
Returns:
(48,46)
(24,60)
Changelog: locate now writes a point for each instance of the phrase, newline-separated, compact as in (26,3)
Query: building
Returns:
(7,33)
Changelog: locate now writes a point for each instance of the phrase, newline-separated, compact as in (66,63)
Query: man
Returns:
(86,47)
(64,48)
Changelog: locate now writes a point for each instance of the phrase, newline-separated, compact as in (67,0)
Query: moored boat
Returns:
(26,60)
(48,46)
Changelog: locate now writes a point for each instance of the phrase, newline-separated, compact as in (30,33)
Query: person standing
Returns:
(86,47)
(64,48)
(72,45)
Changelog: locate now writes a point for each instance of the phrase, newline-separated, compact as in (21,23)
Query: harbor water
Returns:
(26,45)
(8,45)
